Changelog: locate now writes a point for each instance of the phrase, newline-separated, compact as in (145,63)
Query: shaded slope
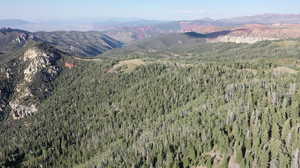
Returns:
(12,39)
(80,43)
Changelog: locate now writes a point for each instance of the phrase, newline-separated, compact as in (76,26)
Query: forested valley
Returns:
(201,105)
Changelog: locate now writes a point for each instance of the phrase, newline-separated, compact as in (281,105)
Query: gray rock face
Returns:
(2,103)
(23,38)
(21,111)
(4,73)
(11,39)
(36,61)
(296,159)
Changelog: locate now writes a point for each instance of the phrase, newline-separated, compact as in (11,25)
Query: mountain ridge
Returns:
(73,42)
(104,25)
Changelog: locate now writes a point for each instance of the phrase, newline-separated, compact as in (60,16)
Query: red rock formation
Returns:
(70,65)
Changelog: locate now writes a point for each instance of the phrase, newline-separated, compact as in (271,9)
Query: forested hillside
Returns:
(182,105)
(80,43)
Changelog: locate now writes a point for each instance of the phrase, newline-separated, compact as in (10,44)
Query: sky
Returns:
(143,9)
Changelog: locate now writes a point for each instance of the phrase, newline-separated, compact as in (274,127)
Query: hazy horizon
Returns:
(34,10)
(127,19)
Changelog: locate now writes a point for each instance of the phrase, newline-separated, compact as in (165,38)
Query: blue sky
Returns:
(147,9)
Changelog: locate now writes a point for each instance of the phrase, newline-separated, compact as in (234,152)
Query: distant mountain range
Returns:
(13,23)
(107,34)
(254,28)
(75,25)
(74,42)
(264,19)
(112,24)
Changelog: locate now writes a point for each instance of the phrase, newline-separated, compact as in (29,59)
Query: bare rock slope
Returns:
(28,79)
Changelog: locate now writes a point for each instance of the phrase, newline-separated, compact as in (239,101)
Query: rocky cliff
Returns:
(28,79)
(12,39)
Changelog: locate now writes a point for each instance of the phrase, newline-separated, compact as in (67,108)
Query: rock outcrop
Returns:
(2,103)
(13,39)
(296,159)
(30,79)
(39,60)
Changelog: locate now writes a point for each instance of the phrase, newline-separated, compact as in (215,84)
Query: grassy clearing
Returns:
(126,65)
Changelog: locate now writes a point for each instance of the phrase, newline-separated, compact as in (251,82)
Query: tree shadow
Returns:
(213,34)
